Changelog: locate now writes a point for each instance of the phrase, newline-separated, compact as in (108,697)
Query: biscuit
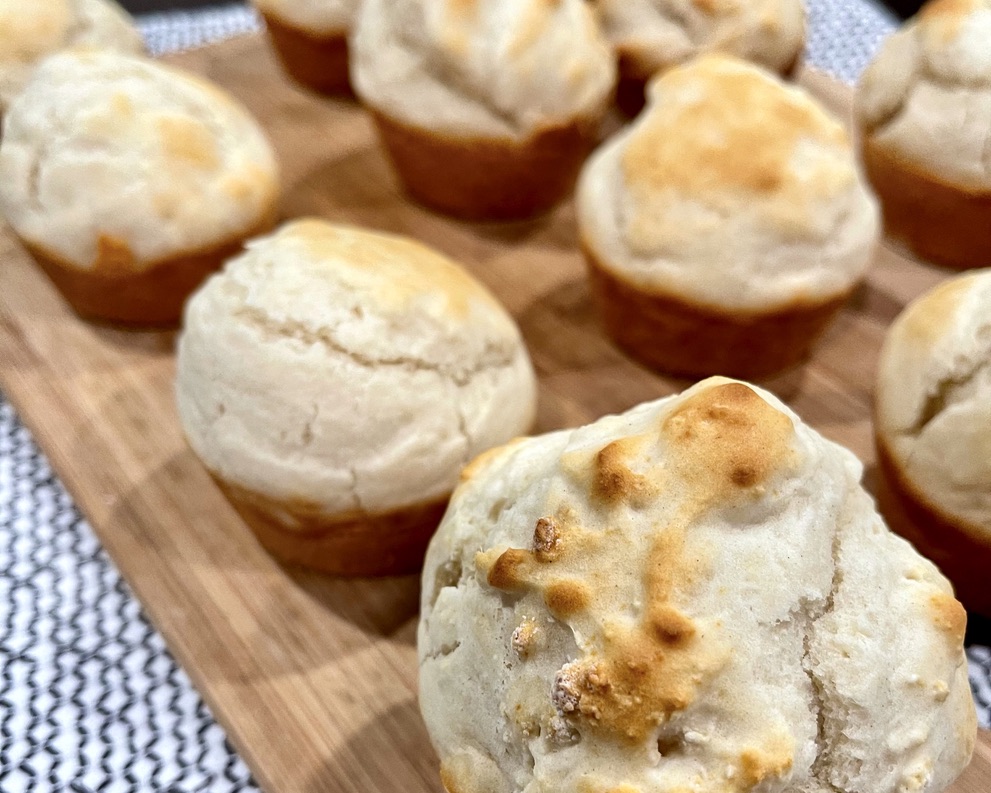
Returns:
(335,381)
(486,108)
(933,430)
(130,180)
(695,595)
(31,30)
(727,225)
(924,108)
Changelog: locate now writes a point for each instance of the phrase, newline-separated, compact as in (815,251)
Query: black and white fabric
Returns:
(91,701)
(175,31)
(980,682)
(843,35)
(90,698)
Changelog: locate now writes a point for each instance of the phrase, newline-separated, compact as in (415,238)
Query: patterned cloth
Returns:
(90,698)
(183,30)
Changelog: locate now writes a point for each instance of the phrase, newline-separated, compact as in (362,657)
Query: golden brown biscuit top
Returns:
(722,139)
(945,18)
(399,269)
(950,617)
(714,126)
(724,444)
(25,34)
(929,319)
(949,9)
(685,597)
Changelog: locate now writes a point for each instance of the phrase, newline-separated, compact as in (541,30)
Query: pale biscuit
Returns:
(924,110)
(491,68)
(351,371)
(695,595)
(732,190)
(933,424)
(30,30)
(108,158)
(926,97)
(934,395)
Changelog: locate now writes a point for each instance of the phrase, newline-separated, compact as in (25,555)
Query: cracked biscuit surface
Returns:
(933,398)
(30,30)
(354,371)
(113,162)
(696,595)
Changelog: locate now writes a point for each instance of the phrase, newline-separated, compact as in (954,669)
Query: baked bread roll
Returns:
(933,429)
(651,36)
(924,109)
(727,225)
(695,595)
(486,108)
(129,181)
(30,30)
(335,381)
(311,39)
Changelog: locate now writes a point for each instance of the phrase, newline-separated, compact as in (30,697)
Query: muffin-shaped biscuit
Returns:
(129,181)
(487,108)
(727,225)
(311,39)
(924,110)
(933,428)
(697,595)
(651,36)
(335,381)
(30,30)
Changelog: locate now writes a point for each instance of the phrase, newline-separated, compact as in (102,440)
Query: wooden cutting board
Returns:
(313,678)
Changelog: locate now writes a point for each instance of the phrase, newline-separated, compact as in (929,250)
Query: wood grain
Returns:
(314,678)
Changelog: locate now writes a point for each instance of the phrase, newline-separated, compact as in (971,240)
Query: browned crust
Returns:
(631,90)
(679,337)
(317,62)
(356,544)
(936,220)
(114,291)
(488,178)
(961,551)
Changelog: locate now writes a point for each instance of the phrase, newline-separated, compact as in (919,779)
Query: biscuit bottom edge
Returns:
(317,62)
(678,337)
(936,221)
(488,178)
(355,544)
(116,293)
(961,551)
